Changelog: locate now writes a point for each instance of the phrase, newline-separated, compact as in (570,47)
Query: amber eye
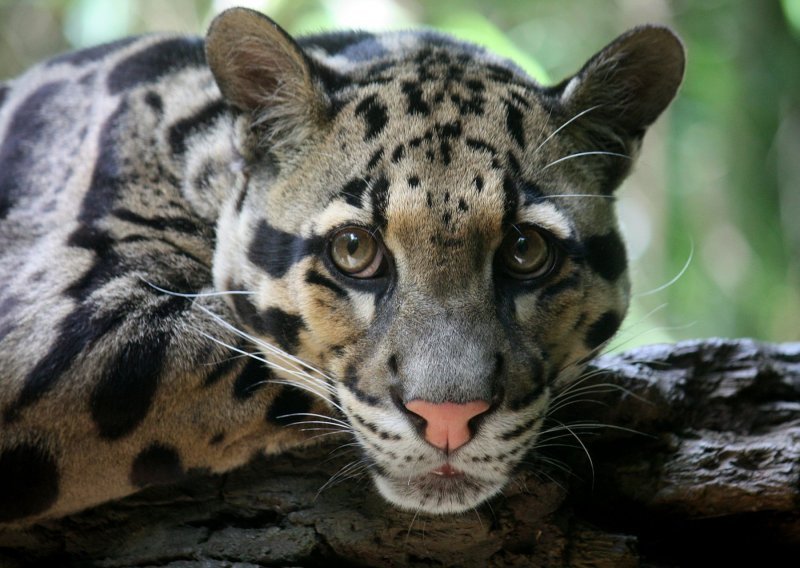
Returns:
(526,254)
(356,252)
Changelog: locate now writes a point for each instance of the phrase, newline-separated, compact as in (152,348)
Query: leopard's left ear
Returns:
(260,69)
(630,82)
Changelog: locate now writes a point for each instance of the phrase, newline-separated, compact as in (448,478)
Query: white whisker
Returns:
(563,126)
(582,154)
(674,279)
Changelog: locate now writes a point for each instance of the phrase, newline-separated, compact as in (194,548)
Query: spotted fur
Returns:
(168,302)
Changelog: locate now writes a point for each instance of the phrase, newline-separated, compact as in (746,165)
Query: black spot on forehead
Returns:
(416,105)
(481,146)
(29,481)
(379,194)
(374,113)
(606,255)
(531,191)
(514,124)
(353,191)
(377,156)
(510,199)
(157,464)
(398,153)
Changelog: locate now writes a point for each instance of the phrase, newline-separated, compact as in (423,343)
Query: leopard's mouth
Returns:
(442,490)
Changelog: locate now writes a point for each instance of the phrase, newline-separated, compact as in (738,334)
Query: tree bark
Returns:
(695,459)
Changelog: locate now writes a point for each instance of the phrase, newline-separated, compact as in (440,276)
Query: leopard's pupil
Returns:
(522,248)
(352,244)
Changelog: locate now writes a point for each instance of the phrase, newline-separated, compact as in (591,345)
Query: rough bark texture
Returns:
(695,460)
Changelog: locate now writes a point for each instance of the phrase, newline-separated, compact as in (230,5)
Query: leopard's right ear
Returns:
(260,69)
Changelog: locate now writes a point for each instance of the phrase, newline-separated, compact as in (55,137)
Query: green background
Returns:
(712,212)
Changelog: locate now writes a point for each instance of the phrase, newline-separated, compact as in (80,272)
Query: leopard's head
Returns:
(433,232)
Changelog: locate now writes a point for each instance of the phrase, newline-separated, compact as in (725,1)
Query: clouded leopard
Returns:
(204,243)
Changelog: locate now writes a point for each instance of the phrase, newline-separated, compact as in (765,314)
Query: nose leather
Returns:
(447,423)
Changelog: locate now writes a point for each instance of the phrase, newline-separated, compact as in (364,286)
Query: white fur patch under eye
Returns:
(363,306)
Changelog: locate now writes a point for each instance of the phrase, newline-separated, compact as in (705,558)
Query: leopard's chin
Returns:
(439,492)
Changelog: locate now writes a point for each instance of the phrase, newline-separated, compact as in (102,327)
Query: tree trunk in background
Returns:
(699,463)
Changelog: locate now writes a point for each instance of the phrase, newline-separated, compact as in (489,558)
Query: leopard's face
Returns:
(439,250)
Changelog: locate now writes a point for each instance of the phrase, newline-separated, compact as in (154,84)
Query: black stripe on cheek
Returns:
(284,328)
(536,388)
(29,482)
(569,282)
(246,311)
(520,430)
(606,255)
(291,400)
(156,465)
(602,330)
(275,251)
(317,279)
(351,382)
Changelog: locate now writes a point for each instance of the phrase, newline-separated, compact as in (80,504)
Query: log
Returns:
(694,460)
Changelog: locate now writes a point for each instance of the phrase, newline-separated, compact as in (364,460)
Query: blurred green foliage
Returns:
(715,199)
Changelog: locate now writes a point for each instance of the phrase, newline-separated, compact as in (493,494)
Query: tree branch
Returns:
(693,445)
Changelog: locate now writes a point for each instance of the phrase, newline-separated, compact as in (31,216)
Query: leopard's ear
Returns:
(260,69)
(630,82)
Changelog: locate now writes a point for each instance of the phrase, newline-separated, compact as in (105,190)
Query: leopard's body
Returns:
(163,164)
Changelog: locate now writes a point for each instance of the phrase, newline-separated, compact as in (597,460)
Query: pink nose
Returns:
(446,423)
